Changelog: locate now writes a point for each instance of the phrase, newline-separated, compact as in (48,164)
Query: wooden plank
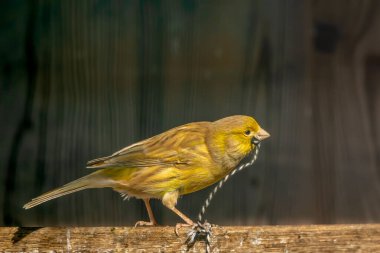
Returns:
(311,238)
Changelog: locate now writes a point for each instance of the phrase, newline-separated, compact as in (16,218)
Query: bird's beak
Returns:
(262,134)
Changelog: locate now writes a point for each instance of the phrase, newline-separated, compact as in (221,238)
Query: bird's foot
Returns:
(145,223)
(200,232)
(178,226)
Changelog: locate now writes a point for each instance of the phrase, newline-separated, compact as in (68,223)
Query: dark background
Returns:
(82,79)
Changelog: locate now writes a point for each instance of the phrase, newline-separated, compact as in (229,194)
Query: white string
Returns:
(221,182)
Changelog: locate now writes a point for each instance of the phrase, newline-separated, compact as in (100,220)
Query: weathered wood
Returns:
(314,238)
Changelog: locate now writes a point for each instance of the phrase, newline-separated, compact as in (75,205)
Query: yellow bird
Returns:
(179,161)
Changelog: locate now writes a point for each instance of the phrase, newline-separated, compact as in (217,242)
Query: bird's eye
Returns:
(247,132)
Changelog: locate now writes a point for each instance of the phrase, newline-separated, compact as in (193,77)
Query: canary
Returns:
(179,161)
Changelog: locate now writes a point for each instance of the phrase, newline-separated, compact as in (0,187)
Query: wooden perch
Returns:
(315,238)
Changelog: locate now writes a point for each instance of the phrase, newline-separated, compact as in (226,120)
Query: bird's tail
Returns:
(94,180)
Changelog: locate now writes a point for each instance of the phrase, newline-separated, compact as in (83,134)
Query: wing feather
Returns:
(174,147)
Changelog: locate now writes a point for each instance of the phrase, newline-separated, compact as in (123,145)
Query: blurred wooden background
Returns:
(82,79)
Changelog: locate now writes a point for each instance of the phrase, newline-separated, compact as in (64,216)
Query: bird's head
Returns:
(234,137)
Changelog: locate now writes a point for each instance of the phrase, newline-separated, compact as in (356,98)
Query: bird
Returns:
(180,161)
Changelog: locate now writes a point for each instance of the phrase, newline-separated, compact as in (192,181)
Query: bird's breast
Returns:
(199,178)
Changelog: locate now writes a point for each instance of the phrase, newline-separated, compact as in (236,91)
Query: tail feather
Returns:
(83,183)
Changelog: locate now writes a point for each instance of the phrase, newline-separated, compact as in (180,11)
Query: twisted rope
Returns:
(220,184)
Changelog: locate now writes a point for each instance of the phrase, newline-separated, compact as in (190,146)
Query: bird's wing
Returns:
(175,147)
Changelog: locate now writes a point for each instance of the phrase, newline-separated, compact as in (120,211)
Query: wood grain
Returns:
(314,238)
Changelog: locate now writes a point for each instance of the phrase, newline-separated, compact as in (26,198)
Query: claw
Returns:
(180,225)
(145,223)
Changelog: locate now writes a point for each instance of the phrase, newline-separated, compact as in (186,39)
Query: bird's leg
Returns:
(188,221)
(170,200)
(150,212)
(152,221)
